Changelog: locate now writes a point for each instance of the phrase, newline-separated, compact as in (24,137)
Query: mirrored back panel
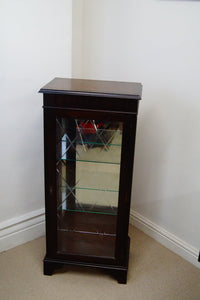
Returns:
(88,156)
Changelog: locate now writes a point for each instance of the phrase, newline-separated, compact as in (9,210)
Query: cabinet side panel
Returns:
(126,173)
(49,167)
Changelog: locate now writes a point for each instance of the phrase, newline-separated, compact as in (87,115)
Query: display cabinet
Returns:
(89,137)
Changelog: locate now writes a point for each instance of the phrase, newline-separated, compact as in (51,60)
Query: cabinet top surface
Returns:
(98,88)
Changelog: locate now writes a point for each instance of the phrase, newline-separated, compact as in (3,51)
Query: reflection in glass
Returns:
(88,156)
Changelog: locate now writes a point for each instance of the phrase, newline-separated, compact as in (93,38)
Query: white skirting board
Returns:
(17,231)
(30,226)
(165,238)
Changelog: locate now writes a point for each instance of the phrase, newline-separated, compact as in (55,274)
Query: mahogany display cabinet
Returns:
(89,139)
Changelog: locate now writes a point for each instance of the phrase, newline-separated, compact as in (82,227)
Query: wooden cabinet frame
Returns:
(90,100)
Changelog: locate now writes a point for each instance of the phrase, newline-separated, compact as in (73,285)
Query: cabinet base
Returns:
(118,272)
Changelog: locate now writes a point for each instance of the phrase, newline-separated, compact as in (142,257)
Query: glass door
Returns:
(88,156)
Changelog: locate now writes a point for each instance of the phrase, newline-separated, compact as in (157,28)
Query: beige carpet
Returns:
(154,273)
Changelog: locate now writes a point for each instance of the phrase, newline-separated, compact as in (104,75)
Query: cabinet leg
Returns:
(50,267)
(121,276)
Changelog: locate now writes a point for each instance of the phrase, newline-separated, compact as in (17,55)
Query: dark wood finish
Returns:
(94,100)
(50,182)
(99,88)
(128,145)
(119,272)
(50,267)
(68,102)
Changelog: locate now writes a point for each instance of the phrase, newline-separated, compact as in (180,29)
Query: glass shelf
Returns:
(79,142)
(91,189)
(92,161)
(88,211)
(95,154)
(88,200)
(88,232)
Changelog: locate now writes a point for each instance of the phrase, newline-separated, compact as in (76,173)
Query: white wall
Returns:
(35,47)
(77,37)
(156,43)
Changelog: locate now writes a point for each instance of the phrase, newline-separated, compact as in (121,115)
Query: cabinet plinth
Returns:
(89,139)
